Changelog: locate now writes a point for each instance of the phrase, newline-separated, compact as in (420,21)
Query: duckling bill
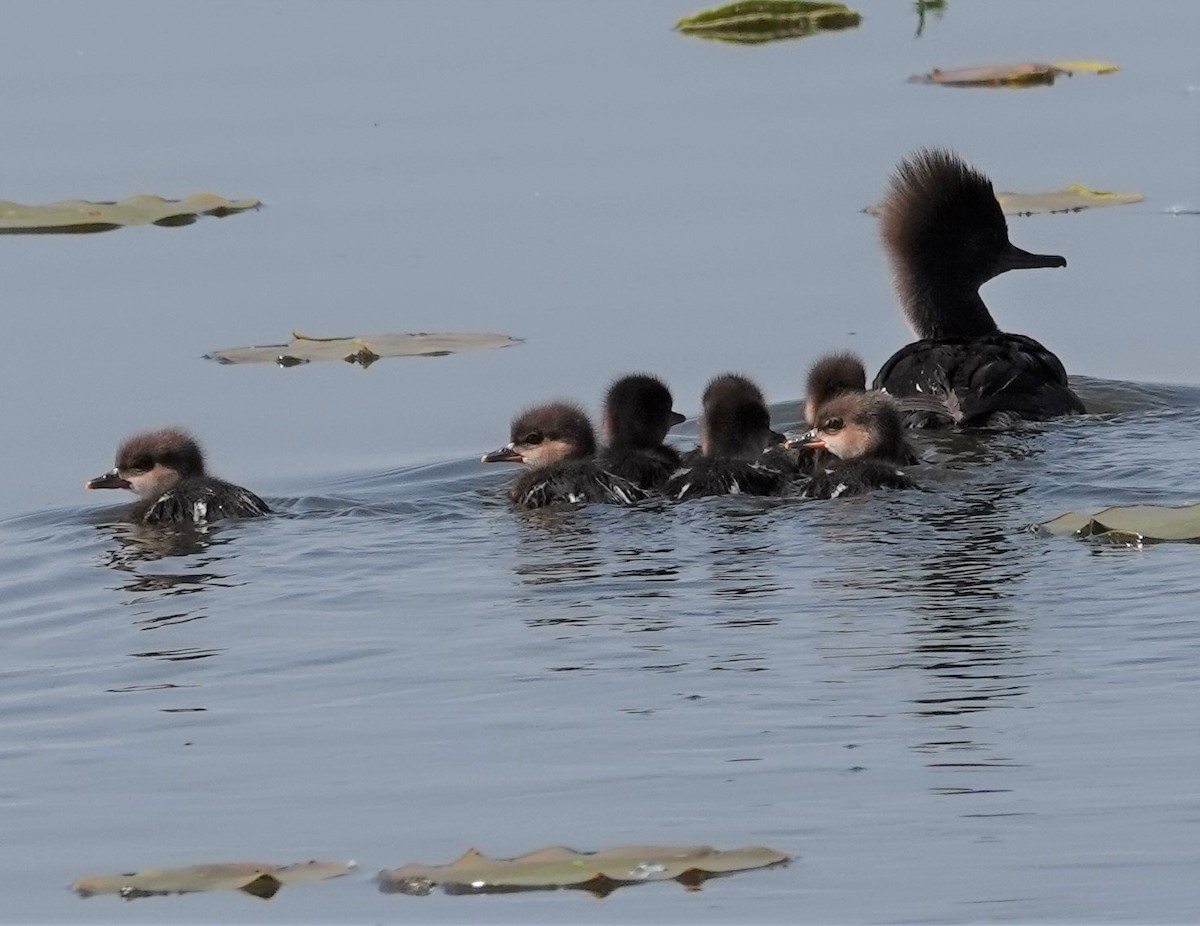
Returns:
(945,236)
(558,445)
(165,468)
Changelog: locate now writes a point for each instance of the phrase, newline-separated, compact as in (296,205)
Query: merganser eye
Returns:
(534,437)
(833,424)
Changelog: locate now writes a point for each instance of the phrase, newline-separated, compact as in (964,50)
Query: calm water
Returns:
(942,716)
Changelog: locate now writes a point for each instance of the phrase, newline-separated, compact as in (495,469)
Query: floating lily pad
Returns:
(1131,524)
(753,22)
(258,878)
(74,216)
(558,867)
(1023,74)
(363,350)
(1074,197)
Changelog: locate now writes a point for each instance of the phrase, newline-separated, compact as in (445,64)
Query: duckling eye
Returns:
(533,437)
(833,424)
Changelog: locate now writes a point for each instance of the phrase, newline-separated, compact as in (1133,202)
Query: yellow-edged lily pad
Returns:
(363,350)
(559,867)
(1022,74)
(258,878)
(74,216)
(752,22)
(1074,197)
(1129,524)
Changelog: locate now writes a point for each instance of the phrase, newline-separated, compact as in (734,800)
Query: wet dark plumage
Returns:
(574,482)
(215,498)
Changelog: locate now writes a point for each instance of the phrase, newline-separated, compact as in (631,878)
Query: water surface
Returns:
(942,716)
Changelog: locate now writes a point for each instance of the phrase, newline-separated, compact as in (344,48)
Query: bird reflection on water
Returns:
(156,597)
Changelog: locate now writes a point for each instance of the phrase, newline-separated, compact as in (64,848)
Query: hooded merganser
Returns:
(637,417)
(865,434)
(830,377)
(166,470)
(844,374)
(557,443)
(945,236)
(735,430)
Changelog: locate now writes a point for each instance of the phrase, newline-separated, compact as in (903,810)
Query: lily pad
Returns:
(560,867)
(1074,197)
(74,216)
(1129,524)
(752,22)
(363,350)
(1071,198)
(1023,74)
(258,878)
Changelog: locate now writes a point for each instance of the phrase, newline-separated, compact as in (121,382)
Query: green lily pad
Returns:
(1074,197)
(74,216)
(559,867)
(752,22)
(258,878)
(1023,74)
(363,350)
(1129,524)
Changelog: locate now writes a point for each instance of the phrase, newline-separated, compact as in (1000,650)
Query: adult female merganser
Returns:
(945,236)
(557,443)
(735,429)
(637,417)
(865,434)
(166,470)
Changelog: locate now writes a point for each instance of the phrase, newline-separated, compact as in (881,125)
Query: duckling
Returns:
(557,444)
(637,417)
(945,236)
(829,377)
(864,433)
(735,430)
(165,468)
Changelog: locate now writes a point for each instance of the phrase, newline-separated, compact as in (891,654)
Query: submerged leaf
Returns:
(76,215)
(363,350)
(258,878)
(1074,197)
(557,866)
(752,22)
(937,7)
(1024,74)
(1129,524)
